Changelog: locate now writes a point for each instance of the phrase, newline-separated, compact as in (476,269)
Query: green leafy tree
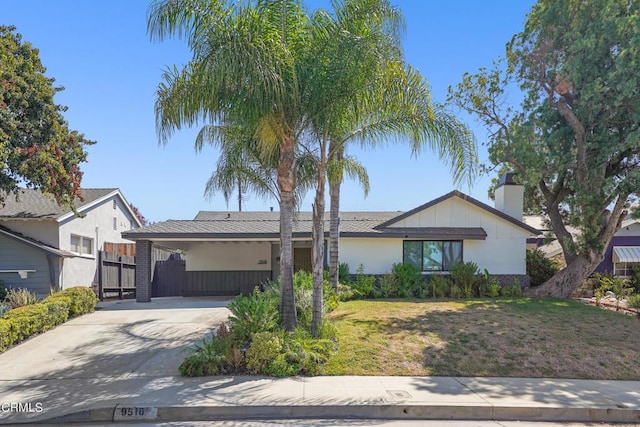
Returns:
(575,141)
(37,148)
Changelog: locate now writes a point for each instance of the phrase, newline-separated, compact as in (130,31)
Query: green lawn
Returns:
(504,337)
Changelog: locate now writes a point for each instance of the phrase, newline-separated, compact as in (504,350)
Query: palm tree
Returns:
(242,167)
(244,69)
(366,93)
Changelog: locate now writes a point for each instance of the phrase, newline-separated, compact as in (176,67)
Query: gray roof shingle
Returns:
(33,204)
(229,225)
(267,225)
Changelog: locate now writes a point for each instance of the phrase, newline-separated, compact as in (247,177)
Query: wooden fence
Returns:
(117,271)
(128,249)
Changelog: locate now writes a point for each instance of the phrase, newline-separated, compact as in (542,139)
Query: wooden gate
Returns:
(117,275)
(169,278)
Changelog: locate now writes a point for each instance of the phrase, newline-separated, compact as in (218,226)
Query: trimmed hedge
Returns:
(23,322)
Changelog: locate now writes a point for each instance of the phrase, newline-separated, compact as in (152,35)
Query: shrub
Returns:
(491,286)
(208,357)
(409,280)
(22,322)
(438,286)
(634,302)
(255,313)
(513,291)
(619,286)
(3,308)
(363,285)
(20,297)
(493,289)
(81,299)
(3,291)
(345,292)
(455,291)
(264,349)
(304,354)
(539,267)
(344,275)
(465,276)
(387,287)
(634,280)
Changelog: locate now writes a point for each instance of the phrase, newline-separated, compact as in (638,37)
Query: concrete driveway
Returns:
(102,357)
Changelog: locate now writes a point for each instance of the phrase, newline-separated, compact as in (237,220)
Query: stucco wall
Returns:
(377,255)
(228,256)
(97,225)
(14,256)
(503,251)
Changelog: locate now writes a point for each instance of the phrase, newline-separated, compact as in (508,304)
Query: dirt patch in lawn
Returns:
(504,337)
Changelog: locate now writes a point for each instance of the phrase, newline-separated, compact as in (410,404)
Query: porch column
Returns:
(143,270)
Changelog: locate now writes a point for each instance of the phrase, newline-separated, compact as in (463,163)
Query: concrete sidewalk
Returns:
(163,399)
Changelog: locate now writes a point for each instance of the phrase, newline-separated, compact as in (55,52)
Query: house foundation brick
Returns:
(143,270)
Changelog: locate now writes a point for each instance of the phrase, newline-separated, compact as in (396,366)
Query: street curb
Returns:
(143,412)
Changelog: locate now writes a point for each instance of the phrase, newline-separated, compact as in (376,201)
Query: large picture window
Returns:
(432,255)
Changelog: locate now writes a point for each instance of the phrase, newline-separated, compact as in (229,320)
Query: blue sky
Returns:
(100,52)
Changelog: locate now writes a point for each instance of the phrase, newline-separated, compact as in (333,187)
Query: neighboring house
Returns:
(620,258)
(226,251)
(44,246)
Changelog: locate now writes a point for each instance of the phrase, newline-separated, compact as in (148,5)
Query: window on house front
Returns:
(115,223)
(432,255)
(625,269)
(81,245)
(115,204)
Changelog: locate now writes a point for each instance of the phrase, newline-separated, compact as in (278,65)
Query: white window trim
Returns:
(82,239)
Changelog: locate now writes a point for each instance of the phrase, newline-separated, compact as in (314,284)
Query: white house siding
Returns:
(377,255)
(503,251)
(229,256)
(96,225)
(18,256)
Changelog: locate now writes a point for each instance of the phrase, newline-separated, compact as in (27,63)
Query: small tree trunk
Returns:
(334,234)
(286,186)
(566,280)
(317,250)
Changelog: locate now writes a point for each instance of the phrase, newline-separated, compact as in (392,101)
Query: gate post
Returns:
(143,270)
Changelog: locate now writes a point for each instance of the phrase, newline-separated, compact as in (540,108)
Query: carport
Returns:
(226,253)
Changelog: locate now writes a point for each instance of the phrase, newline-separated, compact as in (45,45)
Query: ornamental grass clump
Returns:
(20,297)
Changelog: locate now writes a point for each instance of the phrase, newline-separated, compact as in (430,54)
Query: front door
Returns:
(301,259)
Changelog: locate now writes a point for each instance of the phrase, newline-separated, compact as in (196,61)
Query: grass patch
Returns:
(515,337)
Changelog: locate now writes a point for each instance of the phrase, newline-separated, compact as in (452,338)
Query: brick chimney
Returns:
(509,196)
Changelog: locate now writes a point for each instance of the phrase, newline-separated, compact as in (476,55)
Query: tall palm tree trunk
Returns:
(334,225)
(286,185)
(317,249)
